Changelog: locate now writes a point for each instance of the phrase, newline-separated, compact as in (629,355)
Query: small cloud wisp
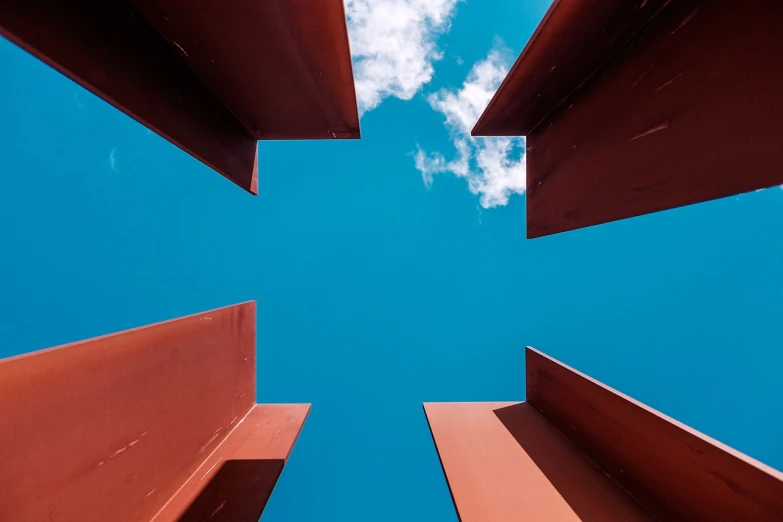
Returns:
(113,159)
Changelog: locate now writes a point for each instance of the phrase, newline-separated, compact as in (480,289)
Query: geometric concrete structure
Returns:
(210,77)
(579,450)
(155,423)
(637,106)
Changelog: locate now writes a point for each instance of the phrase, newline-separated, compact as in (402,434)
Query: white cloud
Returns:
(493,167)
(393,44)
(113,159)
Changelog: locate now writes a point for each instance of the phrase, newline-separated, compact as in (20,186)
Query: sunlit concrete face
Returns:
(578,450)
(156,423)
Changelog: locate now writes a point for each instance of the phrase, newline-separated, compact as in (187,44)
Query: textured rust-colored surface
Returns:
(209,78)
(282,66)
(504,462)
(636,107)
(574,39)
(120,427)
(238,492)
(578,450)
(91,428)
(675,471)
(111,50)
(262,441)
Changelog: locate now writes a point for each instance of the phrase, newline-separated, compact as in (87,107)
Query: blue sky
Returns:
(380,286)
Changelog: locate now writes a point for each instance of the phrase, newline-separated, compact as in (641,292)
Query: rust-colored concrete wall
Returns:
(210,79)
(636,107)
(121,426)
(578,450)
(675,471)
(234,483)
(504,462)
(283,67)
(575,39)
(111,50)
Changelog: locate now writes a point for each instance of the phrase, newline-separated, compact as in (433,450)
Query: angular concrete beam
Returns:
(156,423)
(579,450)
(633,107)
(212,79)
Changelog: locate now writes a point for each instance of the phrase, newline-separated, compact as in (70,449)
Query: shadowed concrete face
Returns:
(212,80)
(238,492)
(589,493)
(523,469)
(633,107)
(675,471)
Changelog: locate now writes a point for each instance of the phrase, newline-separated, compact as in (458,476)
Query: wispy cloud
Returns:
(394,44)
(113,159)
(493,167)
